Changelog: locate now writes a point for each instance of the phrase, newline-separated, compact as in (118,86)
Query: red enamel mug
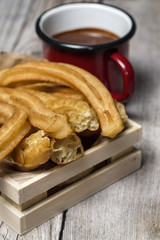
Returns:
(107,61)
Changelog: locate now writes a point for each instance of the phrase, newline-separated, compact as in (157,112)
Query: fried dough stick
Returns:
(98,96)
(36,149)
(33,151)
(56,90)
(56,125)
(61,92)
(67,150)
(15,127)
(81,115)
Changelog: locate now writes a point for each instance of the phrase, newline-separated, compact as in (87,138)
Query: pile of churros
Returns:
(44,108)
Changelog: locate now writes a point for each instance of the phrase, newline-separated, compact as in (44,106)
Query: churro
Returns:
(97,95)
(67,150)
(36,149)
(15,127)
(81,115)
(32,151)
(57,100)
(56,125)
(121,109)
(56,90)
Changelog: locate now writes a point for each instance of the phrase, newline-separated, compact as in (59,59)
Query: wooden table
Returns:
(130,208)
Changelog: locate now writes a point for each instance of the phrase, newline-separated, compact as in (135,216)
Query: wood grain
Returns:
(21,187)
(130,208)
(69,195)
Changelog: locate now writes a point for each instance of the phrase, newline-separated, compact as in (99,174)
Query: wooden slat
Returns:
(27,204)
(43,181)
(70,195)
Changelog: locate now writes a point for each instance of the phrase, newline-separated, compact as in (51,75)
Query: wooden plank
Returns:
(70,195)
(46,179)
(27,204)
(12,219)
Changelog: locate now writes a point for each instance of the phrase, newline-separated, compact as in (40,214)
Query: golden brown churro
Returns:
(56,90)
(36,149)
(121,109)
(81,115)
(114,120)
(32,151)
(56,125)
(14,128)
(55,101)
(67,150)
(97,95)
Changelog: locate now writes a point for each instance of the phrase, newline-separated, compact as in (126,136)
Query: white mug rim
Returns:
(58,44)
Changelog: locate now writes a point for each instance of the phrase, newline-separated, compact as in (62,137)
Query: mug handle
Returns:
(128,77)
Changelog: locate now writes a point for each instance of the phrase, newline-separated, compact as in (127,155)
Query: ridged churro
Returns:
(97,95)
(15,127)
(81,115)
(56,90)
(115,123)
(56,101)
(33,151)
(56,125)
(36,149)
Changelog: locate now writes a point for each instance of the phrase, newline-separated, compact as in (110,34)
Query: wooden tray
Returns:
(29,199)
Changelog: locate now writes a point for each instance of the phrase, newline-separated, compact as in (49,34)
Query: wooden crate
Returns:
(31,198)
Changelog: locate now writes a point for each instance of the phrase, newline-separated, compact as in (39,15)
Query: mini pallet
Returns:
(30,198)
